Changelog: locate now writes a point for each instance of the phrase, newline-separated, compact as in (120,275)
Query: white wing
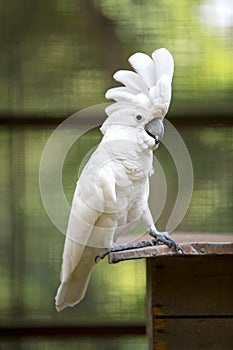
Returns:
(78,258)
(89,231)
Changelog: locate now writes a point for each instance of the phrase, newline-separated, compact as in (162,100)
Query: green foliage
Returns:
(59,58)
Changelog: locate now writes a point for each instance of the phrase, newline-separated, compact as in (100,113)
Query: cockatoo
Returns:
(111,195)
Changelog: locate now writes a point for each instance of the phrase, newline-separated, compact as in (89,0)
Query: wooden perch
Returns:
(190,295)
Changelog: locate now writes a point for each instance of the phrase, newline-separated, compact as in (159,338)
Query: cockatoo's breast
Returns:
(115,179)
(131,147)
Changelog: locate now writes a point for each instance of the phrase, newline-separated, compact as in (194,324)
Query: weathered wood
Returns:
(190,299)
(191,285)
(193,334)
(189,296)
(200,248)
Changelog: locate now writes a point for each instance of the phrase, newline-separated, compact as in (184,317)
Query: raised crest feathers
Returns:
(149,86)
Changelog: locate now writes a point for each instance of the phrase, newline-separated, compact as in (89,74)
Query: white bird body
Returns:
(112,192)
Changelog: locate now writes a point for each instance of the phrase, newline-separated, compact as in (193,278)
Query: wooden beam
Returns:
(189,296)
(50,331)
(196,248)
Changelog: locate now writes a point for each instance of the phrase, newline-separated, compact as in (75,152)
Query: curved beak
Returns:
(155,129)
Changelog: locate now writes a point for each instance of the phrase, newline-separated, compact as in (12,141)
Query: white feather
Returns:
(148,87)
(142,99)
(144,66)
(114,107)
(131,80)
(163,63)
(120,94)
(74,282)
(164,88)
(154,92)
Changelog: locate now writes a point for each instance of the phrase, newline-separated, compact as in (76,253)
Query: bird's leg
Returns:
(159,238)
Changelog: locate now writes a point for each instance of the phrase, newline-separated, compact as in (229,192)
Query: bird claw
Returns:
(164,238)
(121,247)
(102,255)
(158,238)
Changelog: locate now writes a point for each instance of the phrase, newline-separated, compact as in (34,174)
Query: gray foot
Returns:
(159,238)
(164,238)
(121,247)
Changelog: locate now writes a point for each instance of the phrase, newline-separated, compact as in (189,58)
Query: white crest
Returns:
(149,87)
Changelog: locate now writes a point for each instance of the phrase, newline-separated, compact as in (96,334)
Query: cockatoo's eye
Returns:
(139,117)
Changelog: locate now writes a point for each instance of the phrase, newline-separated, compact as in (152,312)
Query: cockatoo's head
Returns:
(128,115)
(144,99)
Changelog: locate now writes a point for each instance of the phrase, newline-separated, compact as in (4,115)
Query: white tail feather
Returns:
(74,282)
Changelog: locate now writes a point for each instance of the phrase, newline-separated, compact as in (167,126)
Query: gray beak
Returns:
(155,129)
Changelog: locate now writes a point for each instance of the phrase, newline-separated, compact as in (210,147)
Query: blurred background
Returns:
(58,57)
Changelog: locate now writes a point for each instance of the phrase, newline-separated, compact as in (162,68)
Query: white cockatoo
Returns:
(112,192)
